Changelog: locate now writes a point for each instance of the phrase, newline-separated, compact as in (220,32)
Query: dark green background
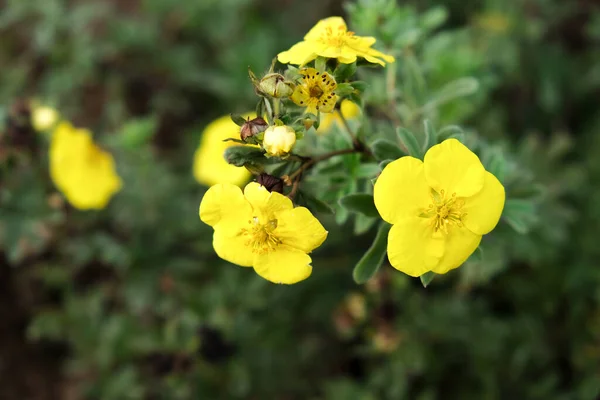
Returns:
(132,303)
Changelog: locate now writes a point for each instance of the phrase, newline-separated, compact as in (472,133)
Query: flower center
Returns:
(260,237)
(335,37)
(444,211)
(315,91)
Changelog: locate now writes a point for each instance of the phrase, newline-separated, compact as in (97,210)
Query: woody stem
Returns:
(297,175)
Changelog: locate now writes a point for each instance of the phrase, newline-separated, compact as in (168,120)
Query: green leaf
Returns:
(409,141)
(384,164)
(496,164)
(369,264)
(237,119)
(430,135)
(344,89)
(477,255)
(363,223)
(313,204)
(426,278)
(451,91)
(137,132)
(247,155)
(361,203)
(386,150)
(451,131)
(434,18)
(361,86)
(520,214)
(367,170)
(320,64)
(344,71)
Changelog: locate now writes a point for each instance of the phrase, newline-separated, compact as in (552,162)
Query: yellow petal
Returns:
(300,53)
(452,167)
(401,190)
(300,96)
(264,202)
(231,246)
(299,229)
(349,109)
(224,203)
(412,247)
(326,27)
(210,167)
(460,244)
(83,172)
(283,265)
(484,209)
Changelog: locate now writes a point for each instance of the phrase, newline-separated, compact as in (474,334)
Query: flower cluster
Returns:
(292,104)
(439,208)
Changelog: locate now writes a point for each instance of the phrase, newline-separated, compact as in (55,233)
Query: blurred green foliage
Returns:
(146,310)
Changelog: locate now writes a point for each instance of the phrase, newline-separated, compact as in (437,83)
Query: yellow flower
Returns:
(81,170)
(262,230)
(349,110)
(279,140)
(330,38)
(43,118)
(439,208)
(210,167)
(316,92)
(493,22)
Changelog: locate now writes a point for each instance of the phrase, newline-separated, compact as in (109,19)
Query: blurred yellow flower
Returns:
(210,167)
(439,208)
(279,140)
(493,22)
(43,118)
(330,38)
(82,171)
(262,229)
(316,92)
(349,110)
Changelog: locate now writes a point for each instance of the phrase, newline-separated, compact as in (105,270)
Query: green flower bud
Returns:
(275,85)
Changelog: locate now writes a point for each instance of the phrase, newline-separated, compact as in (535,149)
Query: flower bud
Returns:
(279,140)
(270,182)
(275,85)
(253,127)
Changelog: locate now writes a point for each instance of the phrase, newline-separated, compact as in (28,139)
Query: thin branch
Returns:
(311,162)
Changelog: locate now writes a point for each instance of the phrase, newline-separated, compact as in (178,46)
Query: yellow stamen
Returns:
(444,212)
(260,237)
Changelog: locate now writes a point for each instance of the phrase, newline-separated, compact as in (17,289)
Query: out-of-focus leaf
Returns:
(520,214)
(409,141)
(426,278)
(138,132)
(248,155)
(368,265)
(360,203)
(312,203)
(453,90)
(344,71)
(385,150)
